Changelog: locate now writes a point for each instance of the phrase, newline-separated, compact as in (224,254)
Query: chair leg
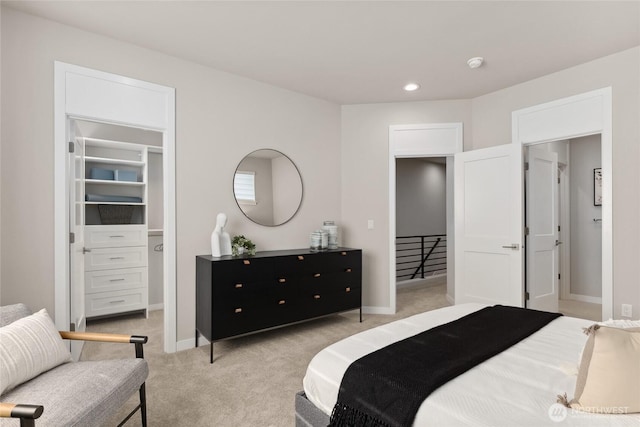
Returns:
(143,405)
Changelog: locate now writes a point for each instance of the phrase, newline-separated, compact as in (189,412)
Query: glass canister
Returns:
(324,242)
(315,241)
(332,229)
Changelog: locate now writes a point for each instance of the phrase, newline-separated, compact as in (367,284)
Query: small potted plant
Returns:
(240,245)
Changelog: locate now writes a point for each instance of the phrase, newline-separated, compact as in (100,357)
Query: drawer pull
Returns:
(281,302)
(316,297)
(238,310)
(282,280)
(116,301)
(348,270)
(246,262)
(238,285)
(116,257)
(117,280)
(347,289)
(116,236)
(300,257)
(316,275)
(343,253)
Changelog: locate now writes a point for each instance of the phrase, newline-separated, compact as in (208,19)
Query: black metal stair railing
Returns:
(424,255)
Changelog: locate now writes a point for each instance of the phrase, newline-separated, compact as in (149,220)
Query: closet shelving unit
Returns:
(116,264)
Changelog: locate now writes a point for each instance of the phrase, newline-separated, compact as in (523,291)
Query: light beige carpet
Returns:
(253,379)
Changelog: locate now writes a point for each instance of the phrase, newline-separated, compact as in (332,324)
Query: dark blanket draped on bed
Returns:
(386,387)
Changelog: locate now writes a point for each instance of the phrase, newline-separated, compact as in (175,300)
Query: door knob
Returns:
(558,242)
(85,250)
(512,246)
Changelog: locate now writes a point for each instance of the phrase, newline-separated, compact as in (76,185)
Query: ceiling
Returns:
(352,52)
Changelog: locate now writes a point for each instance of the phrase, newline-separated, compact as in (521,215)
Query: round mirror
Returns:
(267,187)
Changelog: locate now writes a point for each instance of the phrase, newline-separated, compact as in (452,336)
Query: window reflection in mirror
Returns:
(267,187)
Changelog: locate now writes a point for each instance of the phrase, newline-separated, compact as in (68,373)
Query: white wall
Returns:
(220,118)
(420,197)
(492,126)
(365,179)
(586,235)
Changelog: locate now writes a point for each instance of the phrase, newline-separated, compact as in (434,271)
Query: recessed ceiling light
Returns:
(410,87)
(475,62)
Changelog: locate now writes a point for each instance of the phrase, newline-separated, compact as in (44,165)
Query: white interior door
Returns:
(76,249)
(542,221)
(488,226)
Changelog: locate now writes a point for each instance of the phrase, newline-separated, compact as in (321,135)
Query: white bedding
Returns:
(518,387)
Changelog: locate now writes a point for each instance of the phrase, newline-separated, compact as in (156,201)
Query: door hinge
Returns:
(72,147)
(72,327)
(72,237)
(526,231)
(558,276)
(558,180)
(526,166)
(526,296)
(558,228)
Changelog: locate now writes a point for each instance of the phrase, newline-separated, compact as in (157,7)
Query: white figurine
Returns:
(220,240)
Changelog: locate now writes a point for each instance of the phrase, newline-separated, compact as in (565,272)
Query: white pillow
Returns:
(621,323)
(609,378)
(29,346)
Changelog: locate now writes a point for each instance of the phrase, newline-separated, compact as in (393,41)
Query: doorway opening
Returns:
(421,222)
(121,289)
(97,97)
(576,252)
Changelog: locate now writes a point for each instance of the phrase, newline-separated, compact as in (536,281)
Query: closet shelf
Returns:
(114,182)
(113,161)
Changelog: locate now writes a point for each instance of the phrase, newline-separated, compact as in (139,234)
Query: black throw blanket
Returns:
(386,387)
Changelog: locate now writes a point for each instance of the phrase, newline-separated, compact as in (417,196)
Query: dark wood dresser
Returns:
(242,295)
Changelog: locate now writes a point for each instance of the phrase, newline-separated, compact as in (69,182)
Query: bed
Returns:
(517,387)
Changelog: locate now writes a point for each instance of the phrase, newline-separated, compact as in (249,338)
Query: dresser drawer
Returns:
(103,303)
(245,318)
(109,236)
(330,301)
(108,258)
(115,280)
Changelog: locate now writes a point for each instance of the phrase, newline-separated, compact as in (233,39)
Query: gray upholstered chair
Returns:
(83,393)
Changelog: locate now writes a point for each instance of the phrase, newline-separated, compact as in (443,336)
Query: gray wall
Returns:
(586,235)
(492,126)
(365,178)
(421,197)
(220,118)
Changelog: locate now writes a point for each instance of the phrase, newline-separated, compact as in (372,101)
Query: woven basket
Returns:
(115,214)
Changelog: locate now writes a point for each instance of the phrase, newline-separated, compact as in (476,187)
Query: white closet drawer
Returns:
(109,236)
(104,303)
(109,258)
(115,280)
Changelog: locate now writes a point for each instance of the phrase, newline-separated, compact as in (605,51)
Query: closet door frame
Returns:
(84,93)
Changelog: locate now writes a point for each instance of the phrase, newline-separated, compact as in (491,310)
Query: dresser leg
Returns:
(211,353)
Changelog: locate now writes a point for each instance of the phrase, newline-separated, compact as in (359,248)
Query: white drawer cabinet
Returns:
(115,280)
(104,303)
(116,269)
(108,236)
(110,258)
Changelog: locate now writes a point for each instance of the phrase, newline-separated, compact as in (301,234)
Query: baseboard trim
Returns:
(427,282)
(188,344)
(155,307)
(585,298)
(377,310)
